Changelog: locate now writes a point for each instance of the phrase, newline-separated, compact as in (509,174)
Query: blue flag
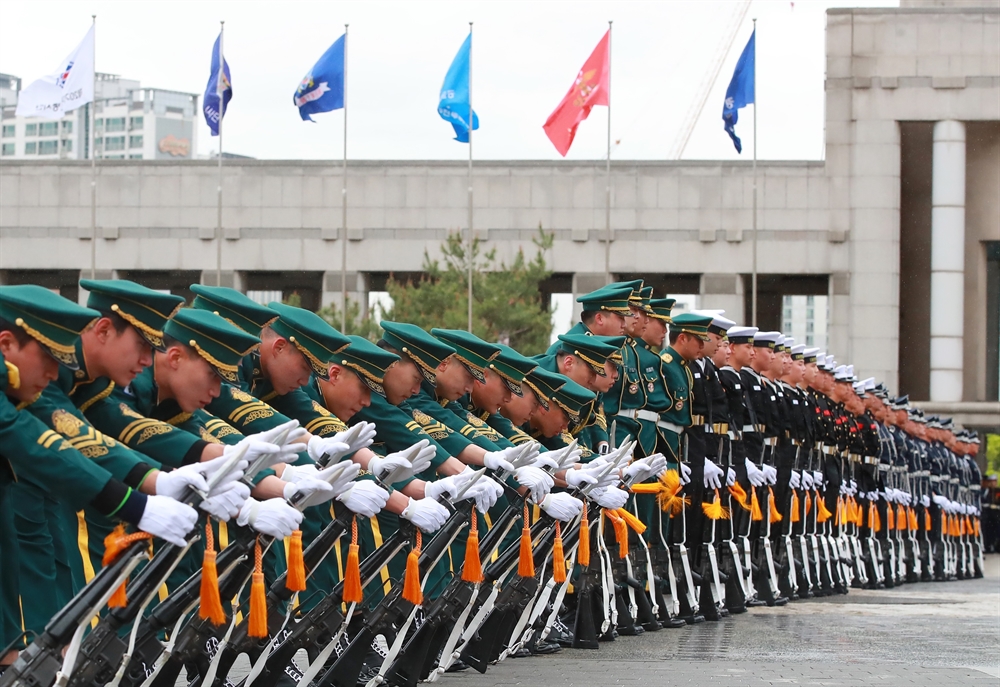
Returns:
(322,89)
(741,91)
(214,112)
(454,104)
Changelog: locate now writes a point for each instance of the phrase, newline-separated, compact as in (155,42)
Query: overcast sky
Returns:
(525,56)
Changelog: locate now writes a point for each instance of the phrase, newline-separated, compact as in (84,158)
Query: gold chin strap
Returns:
(155,336)
(44,340)
(598,367)
(13,375)
(227,371)
(317,365)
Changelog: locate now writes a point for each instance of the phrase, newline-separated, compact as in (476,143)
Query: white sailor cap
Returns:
(741,335)
(811,355)
(841,374)
(766,339)
(831,363)
(869,384)
(798,351)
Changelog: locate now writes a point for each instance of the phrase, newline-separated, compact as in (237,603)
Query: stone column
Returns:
(947,260)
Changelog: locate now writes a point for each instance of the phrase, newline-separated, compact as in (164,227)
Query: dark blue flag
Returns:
(741,91)
(322,89)
(210,102)
(454,103)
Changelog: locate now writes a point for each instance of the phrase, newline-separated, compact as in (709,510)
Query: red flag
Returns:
(591,87)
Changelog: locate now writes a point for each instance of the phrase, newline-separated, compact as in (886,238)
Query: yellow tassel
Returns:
(772,507)
(257,622)
(210,607)
(411,582)
(890,517)
(927,521)
(353,592)
(584,551)
(558,558)
(911,517)
(755,512)
(796,517)
(633,522)
(809,502)
(621,532)
(666,490)
(295,579)
(737,492)
(901,521)
(525,562)
(472,571)
(114,544)
(715,510)
(822,512)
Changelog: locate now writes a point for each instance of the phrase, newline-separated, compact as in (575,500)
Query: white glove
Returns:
(818,478)
(567,456)
(843,488)
(685,474)
(730,477)
(796,480)
(562,506)
(448,486)
(595,471)
(404,464)
(272,517)
(227,504)
(168,519)
(536,480)
(807,480)
(713,475)
(315,490)
(339,477)
(579,478)
(257,448)
(319,447)
(657,463)
(500,460)
(547,461)
(770,474)
(854,487)
(427,514)
(271,436)
(364,498)
(611,497)
(754,474)
(925,501)
(485,492)
(174,483)
(529,452)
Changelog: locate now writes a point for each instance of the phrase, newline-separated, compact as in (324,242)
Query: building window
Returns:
(114,143)
(8,149)
(135,156)
(100,125)
(114,157)
(68,145)
(8,130)
(114,124)
(31,130)
(48,147)
(48,129)
(67,127)
(30,148)
(135,141)
(136,124)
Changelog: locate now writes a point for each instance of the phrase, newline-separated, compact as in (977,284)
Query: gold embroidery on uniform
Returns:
(153,431)
(205,436)
(66,424)
(241,395)
(97,397)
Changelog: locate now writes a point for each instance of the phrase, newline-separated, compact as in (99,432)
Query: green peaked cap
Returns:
(573,398)
(368,361)
(472,351)
(145,309)
(544,384)
(646,295)
(689,323)
(233,306)
(635,298)
(611,298)
(593,350)
(221,344)
(419,346)
(313,336)
(53,321)
(512,367)
(660,308)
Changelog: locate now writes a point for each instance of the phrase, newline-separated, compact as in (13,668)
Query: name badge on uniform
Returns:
(737,387)
(756,388)
(794,402)
(697,375)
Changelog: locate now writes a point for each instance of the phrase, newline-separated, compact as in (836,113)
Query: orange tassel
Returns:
(211,605)
(772,507)
(840,511)
(525,562)
(900,517)
(714,510)
(890,517)
(809,502)
(927,521)
(257,626)
(911,517)
(584,553)
(737,492)
(756,513)
(874,521)
(796,517)
(472,571)
(822,512)
(114,544)
(633,522)
(411,582)
(353,592)
(975,527)
(621,532)
(295,578)
(558,557)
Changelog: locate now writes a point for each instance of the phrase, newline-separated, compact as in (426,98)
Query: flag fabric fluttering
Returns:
(741,90)
(322,89)
(219,90)
(454,103)
(66,89)
(591,87)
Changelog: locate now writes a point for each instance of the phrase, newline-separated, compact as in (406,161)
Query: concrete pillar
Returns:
(947,260)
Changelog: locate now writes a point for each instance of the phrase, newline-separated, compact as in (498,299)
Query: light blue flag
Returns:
(454,104)
(213,106)
(322,89)
(741,90)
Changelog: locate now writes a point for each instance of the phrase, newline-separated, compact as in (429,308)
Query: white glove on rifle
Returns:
(342,443)
(339,476)
(396,467)
(536,480)
(796,480)
(713,475)
(427,514)
(486,492)
(566,456)
(730,477)
(925,501)
(168,519)
(754,474)
(447,487)
(500,460)
(364,498)
(611,497)
(595,471)
(317,489)
(272,517)
(818,479)
(319,448)
(547,461)
(685,472)
(561,506)
(227,504)
(579,478)
(770,474)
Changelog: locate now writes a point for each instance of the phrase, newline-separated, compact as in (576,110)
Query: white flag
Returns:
(70,87)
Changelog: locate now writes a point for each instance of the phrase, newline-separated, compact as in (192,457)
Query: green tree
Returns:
(507,304)
(993,454)
(356,323)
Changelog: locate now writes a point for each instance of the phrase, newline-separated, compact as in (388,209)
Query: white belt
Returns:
(635,414)
(676,429)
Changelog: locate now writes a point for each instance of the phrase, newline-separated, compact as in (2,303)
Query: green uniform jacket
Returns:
(677,383)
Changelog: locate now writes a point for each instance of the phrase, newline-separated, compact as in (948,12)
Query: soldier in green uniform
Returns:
(39,333)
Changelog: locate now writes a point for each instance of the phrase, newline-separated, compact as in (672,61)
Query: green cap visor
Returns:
(368,361)
(512,367)
(234,307)
(660,308)
(53,321)
(689,323)
(221,344)
(609,298)
(573,398)
(545,384)
(311,335)
(419,346)
(593,350)
(471,351)
(145,309)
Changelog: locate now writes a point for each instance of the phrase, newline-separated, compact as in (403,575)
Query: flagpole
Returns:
(472,239)
(93,160)
(753,315)
(607,171)
(219,90)
(343,218)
